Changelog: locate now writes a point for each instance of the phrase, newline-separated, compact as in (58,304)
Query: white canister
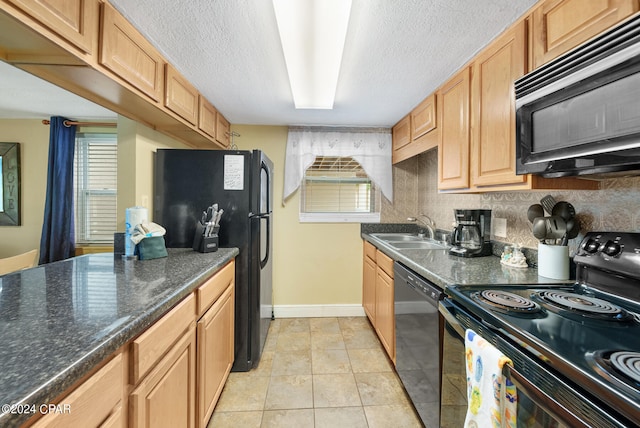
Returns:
(553,261)
(133,217)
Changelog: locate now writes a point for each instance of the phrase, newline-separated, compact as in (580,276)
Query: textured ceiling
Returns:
(396,53)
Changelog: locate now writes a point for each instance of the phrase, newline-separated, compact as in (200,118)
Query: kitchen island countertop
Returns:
(58,321)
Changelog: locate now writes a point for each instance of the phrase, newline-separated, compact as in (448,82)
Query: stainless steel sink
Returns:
(408,241)
(422,245)
(397,237)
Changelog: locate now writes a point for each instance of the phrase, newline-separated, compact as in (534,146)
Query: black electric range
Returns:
(587,332)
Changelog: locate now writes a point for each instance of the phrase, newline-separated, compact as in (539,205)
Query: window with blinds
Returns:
(95,181)
(337,189)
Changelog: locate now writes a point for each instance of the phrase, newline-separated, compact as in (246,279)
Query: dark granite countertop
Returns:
(443,269)
(60,320)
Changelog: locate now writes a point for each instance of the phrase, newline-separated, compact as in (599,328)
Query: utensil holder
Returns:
(553,261)
(205,244)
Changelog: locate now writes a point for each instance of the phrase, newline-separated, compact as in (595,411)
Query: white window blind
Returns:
(337,189)
(95,181)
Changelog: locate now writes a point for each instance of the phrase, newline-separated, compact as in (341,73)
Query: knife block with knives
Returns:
(205,239)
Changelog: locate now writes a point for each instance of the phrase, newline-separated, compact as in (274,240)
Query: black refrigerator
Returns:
(241,183)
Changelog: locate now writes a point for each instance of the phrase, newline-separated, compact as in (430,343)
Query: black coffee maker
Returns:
(472,234)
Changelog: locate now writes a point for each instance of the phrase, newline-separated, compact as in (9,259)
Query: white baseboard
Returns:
(317,311)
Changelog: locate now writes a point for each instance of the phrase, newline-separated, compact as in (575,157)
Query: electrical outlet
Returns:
(145,201)
(500,227)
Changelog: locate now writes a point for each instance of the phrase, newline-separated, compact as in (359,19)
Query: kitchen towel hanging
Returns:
(492,399)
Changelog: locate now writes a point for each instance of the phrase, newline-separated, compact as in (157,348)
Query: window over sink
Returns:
(337,189)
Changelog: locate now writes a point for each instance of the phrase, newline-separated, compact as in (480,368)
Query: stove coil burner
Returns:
(585,305)
(627,363)
(508,302)
(618,366)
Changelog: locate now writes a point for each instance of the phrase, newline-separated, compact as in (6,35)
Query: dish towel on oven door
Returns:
(492,398)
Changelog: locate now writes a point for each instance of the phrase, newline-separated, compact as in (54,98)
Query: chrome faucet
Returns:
(429,225)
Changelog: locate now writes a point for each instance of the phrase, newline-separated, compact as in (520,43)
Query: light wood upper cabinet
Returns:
(207,117)
(560,25)
(128,54)
(222,130)
(453,148)
(416,132)
(74,20)
(166,398)
(493,109)
(423,117)
(180,96)
(401,133)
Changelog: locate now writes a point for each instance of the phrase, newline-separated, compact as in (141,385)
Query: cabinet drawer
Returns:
(180,96)
(92,402)
(150,346)
(385,263)
(209,292)
(207,117)
(74,20)
(370,251)
(128,54)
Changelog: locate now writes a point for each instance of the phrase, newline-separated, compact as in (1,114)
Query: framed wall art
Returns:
(9,184)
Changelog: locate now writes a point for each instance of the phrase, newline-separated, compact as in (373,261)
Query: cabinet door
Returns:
(207,117)
(493,100)
(166,397)
(401,133)
(453,148)
(74,20)
(222,130)
(369,282)
(560,25)
(180,96)
(215,353)
(423,117)
(128,54)
(385,322)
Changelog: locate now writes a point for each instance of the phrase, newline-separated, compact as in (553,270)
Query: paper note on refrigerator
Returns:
(234,172)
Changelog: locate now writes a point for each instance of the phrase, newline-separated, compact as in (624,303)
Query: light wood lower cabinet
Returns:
(171,375)
(215,353)
(167,396)
(96,402)
(377,296)
(369,281)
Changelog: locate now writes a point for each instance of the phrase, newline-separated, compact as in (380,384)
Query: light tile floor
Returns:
(317,372)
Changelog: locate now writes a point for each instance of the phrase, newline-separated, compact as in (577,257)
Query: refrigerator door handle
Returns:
(267,252)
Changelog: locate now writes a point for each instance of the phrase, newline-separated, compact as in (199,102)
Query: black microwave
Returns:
(580,113)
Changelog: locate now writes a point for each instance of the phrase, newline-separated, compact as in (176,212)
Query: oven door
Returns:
(544,400)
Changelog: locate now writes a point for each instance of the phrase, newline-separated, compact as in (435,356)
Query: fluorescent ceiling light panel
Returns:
(312,33)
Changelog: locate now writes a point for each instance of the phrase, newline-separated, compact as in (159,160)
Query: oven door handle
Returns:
(543,400)
(450,318)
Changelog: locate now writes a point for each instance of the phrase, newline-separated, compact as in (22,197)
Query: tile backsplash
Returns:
(615,207)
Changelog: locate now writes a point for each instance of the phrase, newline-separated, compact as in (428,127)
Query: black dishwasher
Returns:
(418,331)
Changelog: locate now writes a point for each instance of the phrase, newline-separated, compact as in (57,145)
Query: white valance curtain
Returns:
(370,147)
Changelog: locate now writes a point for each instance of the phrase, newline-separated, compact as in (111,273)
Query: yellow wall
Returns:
(314,264)
(33,137)
(137,145)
